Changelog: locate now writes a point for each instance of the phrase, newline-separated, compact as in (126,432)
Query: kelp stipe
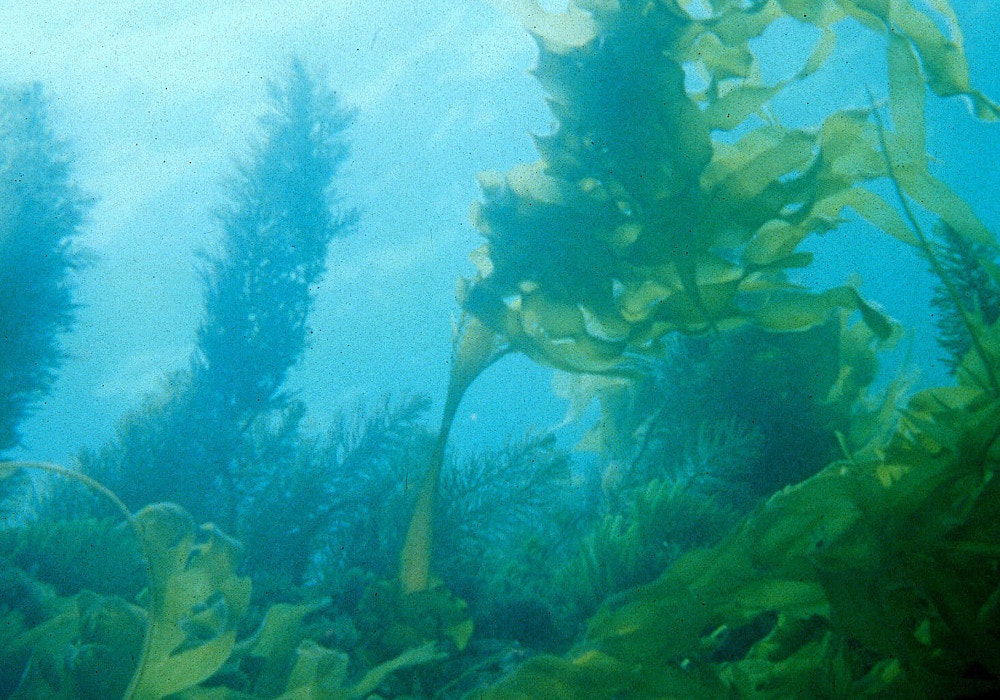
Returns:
(474,348)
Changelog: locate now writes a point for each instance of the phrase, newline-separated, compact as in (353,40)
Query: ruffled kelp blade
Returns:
(638,220)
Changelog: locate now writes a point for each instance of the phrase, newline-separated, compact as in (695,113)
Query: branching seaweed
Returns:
(372,461)
(964,263)
(41,216)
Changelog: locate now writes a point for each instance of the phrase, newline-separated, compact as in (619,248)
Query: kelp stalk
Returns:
(475,347)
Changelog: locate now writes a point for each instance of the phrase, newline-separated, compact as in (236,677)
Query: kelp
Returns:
(638,220)
(183,633)
(196,600)
(746,381)
(474,348)
(657,206)
(876,577)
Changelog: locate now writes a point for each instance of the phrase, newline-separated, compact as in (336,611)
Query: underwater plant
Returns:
(965,264)
(715,408)
(363,465)
(493,494)
(507,516)
(186,445)
(41,216)
(717,426)
(640,220)
(92,553)
(632,544)
(874,578)
(179,638)
(277,225)
(846,584)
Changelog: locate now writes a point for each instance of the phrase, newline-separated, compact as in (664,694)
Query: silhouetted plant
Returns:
(277,225)
(495,493)
(41,215)
(196,444)
(320,511)
(748,411)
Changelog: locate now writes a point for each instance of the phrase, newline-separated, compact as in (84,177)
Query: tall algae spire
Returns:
(669,199)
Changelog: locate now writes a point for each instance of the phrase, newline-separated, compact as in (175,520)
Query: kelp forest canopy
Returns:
(640,220)
(669,198)
(656,206)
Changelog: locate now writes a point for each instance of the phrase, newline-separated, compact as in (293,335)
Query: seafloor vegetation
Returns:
(763,523)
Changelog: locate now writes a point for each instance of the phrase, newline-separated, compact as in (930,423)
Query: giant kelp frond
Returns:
(139,655)
(93,646)
(656,206)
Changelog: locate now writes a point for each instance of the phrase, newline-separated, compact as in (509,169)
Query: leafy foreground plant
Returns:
(876,577)
(640,220)
(91,646)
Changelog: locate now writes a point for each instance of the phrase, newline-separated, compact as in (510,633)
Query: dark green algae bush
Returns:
(655,210)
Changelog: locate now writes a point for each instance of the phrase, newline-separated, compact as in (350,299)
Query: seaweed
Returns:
(876,573)
(633,543)
(845,584)
(95,554)
(964,263)
(189,444)
(656,208)
(182,641)
(639,220)
(507,516)
(368,461)
(715,408)
(41,217)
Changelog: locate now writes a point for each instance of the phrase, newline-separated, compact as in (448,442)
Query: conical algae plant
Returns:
(656,207)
